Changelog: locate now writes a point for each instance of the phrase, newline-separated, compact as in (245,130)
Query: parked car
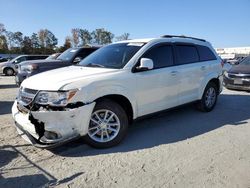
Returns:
(8,68)
(238,77)
(3,59)
(105,92)
(67,58)
(236,60)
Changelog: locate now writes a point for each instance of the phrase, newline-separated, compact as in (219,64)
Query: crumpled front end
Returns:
(49,127)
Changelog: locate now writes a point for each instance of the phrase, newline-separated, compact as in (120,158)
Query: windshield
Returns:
(53,56)
(68,54)
(114,56)
(245,61)
(18,59)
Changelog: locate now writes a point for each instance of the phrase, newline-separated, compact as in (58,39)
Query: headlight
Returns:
(29,68)
(58,98)
(226,74)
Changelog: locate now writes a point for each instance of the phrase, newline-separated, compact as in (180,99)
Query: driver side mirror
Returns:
(77,60)
(145,64)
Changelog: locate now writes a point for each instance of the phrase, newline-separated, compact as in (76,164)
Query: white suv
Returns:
(115,85)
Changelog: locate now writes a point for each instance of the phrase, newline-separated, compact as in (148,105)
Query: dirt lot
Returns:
(180,148)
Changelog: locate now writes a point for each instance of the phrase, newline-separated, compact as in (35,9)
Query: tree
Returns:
(85,36)
(66,45)
(3,44)
(124,36)
(34,43)
(27,45)
(2,29)
(10,39)
(3,39)
(75,37)
(47,41)
(101,36)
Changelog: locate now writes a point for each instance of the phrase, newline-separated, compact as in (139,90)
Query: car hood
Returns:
(56,79)
(5,63)
(40,61)
(240,69)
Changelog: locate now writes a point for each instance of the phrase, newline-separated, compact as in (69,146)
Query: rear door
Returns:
(157,89)
(190,71)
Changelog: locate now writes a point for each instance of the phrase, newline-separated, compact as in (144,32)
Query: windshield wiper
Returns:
(95,65)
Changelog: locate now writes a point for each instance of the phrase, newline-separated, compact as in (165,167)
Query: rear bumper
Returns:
(67,125)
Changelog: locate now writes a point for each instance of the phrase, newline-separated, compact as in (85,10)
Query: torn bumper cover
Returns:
(48,129)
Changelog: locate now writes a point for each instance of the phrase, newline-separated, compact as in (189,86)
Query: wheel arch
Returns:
(121,100)
(212,78)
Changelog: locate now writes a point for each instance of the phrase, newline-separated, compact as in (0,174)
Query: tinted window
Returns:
(19,59)
(85,52)
(162,56)
(35,57)
(245,61)
(187,54)
(205,53)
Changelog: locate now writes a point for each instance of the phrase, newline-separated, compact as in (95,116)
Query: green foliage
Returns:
(45,42)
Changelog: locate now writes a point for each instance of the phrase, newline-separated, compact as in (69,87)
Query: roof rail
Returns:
(182,36)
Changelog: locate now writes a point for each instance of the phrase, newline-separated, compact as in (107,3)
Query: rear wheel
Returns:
(209,98)
(108,125)
(9,72)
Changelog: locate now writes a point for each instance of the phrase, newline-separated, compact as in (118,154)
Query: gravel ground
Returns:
(179,148)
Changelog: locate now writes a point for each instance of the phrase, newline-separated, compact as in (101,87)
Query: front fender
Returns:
(93,92)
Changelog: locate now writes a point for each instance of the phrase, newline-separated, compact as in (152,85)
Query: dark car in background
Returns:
(8,68)
(67,58)
(238,77)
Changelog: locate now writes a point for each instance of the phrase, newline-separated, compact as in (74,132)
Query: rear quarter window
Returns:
(187,54)
(205,53)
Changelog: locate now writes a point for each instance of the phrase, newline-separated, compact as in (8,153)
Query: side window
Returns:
(187,54)
(205,53)
(30,57)
(162,56)
(84,53)
(20,59)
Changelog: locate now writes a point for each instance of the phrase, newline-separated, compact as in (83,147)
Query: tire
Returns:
(107,131)
(9,72)
(209,98)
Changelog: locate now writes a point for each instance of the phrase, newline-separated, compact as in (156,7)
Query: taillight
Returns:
(222,63)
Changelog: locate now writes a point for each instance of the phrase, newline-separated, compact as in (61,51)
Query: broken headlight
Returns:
(55,98)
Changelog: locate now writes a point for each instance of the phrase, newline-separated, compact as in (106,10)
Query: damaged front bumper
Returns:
(47,129)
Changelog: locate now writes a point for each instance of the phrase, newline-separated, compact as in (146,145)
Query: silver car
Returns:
(9,67)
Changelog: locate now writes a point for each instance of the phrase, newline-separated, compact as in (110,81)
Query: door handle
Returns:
(173,73)
(203,67)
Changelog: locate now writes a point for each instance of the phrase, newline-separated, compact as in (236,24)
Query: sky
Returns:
(225,23)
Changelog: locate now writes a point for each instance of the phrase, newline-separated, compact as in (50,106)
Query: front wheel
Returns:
(108,125)
(209,98)
(9,72)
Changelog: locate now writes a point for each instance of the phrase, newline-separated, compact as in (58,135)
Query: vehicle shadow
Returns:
(41,179)
(5,107)
(170,127)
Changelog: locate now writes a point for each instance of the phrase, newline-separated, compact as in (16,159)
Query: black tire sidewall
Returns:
(203,100)
(6,72)
(123,118)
